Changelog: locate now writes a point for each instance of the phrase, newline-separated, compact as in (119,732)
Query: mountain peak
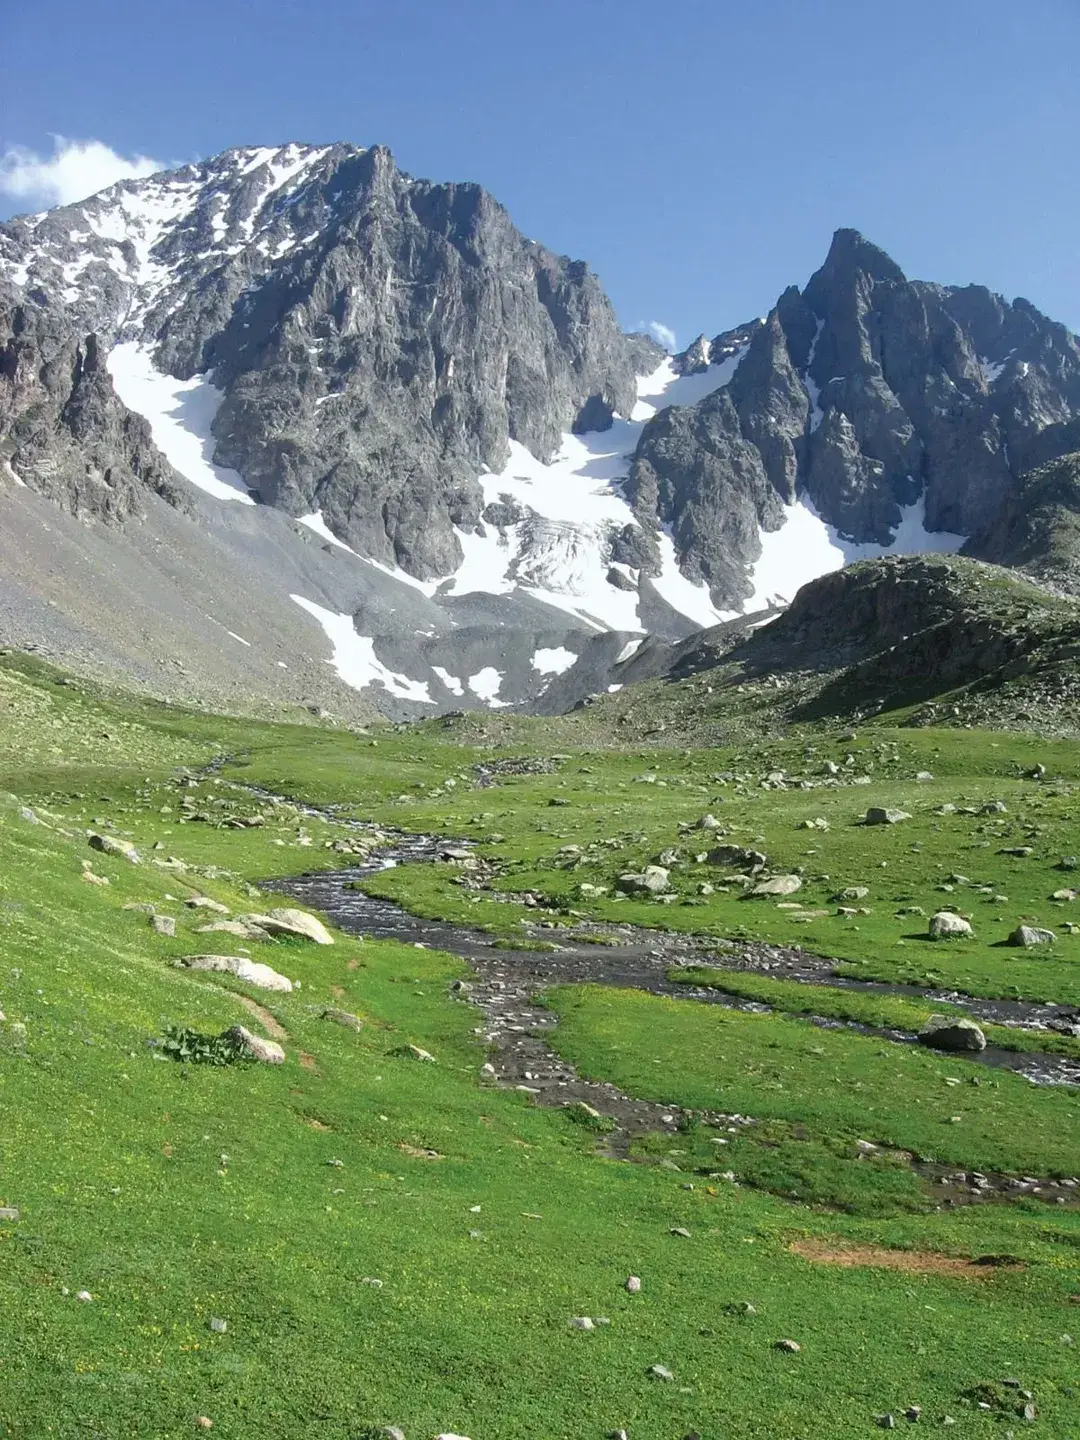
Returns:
(850,251)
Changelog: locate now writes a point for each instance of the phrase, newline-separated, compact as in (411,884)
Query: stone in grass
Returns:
(947,926)
(659,1372)
(1027,936)
(217,1325)
(111,845)
(680,1231)
(876,815)
(9,1213)
(268,1051)
(777,885)
(790,1347)
(290,922)
(653,880)
(447,1435)
(261,976)
(738,857)
(632,1285)
(163,925)
(204,902)
(345,1018)
(582,1322)
(852,892)
(392,1432)
(944,1033)
(413,1052)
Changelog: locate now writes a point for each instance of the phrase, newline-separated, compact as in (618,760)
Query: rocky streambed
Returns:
(505,982)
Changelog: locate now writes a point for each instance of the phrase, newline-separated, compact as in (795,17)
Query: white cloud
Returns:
(75,169)
(662,334)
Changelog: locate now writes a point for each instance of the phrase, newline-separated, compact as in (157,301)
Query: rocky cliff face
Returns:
(378,340)
(863,394)
(63,432)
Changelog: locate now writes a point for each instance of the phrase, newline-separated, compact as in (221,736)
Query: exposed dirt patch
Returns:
(316,1124)
(418,1153)
(275,1030)
(306,1060)
(824,1251)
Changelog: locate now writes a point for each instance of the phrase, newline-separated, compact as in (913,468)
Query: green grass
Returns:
(114,1156)
(780,1067)
(895,1012)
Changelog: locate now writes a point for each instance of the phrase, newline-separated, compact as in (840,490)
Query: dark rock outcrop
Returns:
(62,429)
(864,393)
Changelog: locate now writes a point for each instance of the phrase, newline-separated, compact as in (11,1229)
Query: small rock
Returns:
(582,1322)
(659,1372)
(163,925)
(791,1347)
(345,1018)
(268,1051)
(217,1325)
(681,1231)
(83,1295)
(413,1052)
(633,1282)
(393,1432)
(886,1422)
(876,815)
(204,1422)
(204,902)
(9,1213)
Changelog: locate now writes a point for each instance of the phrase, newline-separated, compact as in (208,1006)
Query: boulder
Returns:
(163,925)
(876,815)
(653,880)
(268,1051)
(948,1034)
(947,926)
(204,902)
(261,976)
(233,927)
(738,857)
(1027,936)
(290,922)
(778,885)
(111,845)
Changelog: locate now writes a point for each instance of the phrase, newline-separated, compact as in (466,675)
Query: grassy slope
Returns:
(115,1160)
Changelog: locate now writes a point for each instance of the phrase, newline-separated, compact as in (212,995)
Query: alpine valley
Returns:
(288,426)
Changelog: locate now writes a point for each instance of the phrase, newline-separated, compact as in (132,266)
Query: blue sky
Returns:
(698,154)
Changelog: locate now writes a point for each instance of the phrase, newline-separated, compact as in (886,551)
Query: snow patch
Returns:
(315,522)
(452,683)
(180,414)
(10,473)
(555,661)
(629,650)
(485,686)
(355,660)
(806,547)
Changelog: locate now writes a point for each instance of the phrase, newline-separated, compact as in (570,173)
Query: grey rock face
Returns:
(62,429)
(378,339)
(864,392)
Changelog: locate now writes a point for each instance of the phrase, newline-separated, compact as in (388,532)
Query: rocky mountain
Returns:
(291,398)
(887,413)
